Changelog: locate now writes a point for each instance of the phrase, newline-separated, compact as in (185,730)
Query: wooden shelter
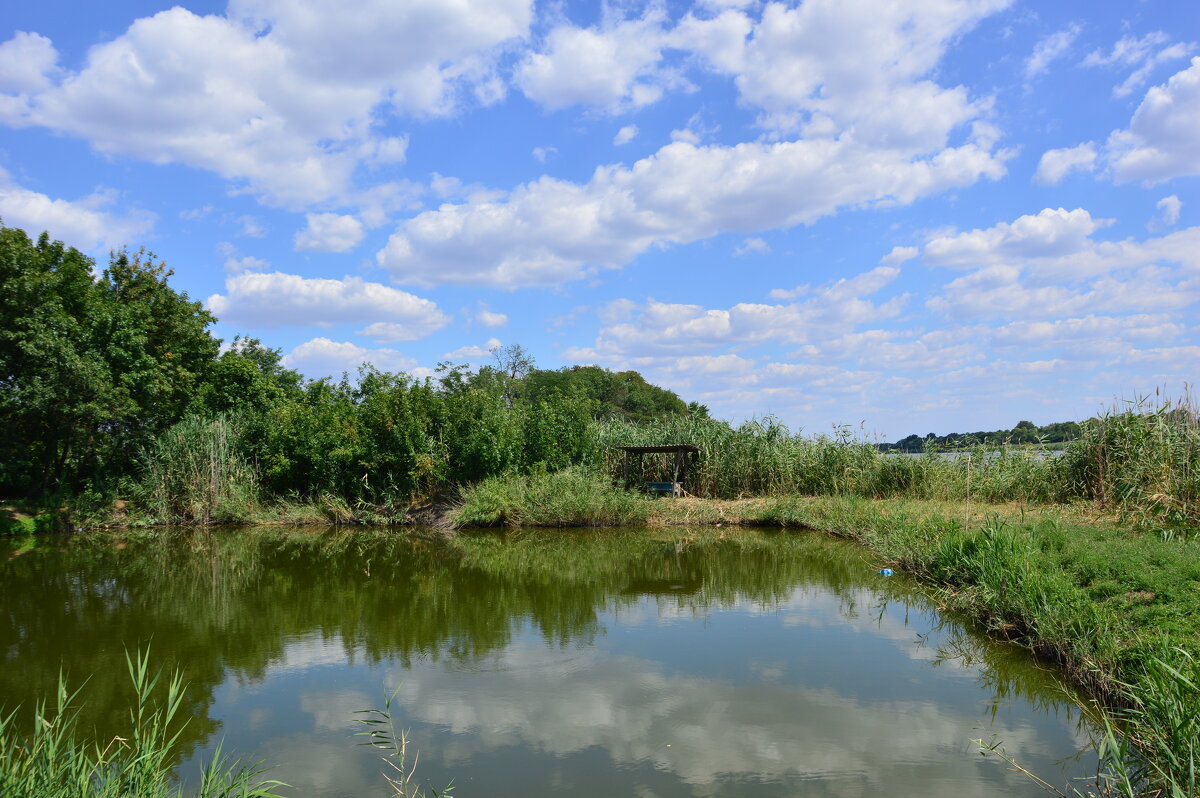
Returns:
(684,454)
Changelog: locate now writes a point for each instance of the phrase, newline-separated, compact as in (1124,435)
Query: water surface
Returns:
(632,662)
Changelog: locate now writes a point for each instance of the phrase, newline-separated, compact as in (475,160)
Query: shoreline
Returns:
(1078,588)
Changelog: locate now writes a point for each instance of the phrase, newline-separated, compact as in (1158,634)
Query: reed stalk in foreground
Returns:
(54,760)
(383,735)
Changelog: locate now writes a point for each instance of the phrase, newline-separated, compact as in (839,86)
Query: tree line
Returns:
(1024,433)
(107,376)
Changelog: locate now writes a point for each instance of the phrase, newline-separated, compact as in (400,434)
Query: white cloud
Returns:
(753,246)
(550,230)
(274,299)
(853,78)
(609,66)
(323,357)
(282,97)
(235,265)
(661,328)
(329,232)
(1050,233)
(489,319)
(906,350)
(1141,55)
(543,154)
(828,66)
(474,352)
(251,227)
(1057,164)
(196,214)
(1161,141)
(899,255)
(1049,49)
(28,62)
(1168,213)
(1005,292)
(1083,333)
(86,223)
(625,135)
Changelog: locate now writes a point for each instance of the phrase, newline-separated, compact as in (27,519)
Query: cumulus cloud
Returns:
(251,227)
(663,328)
(550,230)
(1049,233)
(1050,49)
(826,66)
(612,65)
(323,357)
(1139,54)
(1057,164)
(88,223)
(474,352)
(1161,141)
(625,135)
(280,97)
(852,80)
(28,63)
(490,319)
(329,232)
(1007,292)
(277,299)
(1168,213)
(249,263)
(899,255)
(1084,333)
(753,246)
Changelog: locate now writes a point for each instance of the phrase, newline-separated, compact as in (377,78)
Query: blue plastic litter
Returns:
(885,571)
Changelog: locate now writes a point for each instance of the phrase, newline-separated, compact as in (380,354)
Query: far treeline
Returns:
(116,398)
(1023,434)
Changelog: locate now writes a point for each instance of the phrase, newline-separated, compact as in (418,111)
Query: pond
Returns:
(631,662)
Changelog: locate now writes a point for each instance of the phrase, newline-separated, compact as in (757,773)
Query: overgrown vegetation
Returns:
(571,497)
(117,397)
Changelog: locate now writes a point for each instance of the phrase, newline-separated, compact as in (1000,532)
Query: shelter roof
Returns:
(673,447)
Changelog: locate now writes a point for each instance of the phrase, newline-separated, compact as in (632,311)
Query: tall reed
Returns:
(1144,460)
(195,473)
(53,759)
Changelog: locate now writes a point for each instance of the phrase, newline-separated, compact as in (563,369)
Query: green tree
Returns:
(91,369)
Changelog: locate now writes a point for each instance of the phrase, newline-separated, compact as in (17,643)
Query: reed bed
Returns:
(573,497)
(196,472)
(1142,462)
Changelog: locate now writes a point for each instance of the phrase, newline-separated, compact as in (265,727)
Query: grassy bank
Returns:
(366,465)
(1116,608)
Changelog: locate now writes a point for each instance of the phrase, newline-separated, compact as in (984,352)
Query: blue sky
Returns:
(906,217)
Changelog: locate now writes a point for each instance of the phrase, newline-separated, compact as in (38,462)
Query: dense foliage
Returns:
(114,387)
(113,384)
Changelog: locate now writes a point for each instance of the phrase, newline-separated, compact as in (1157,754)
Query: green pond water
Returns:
(648,663)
